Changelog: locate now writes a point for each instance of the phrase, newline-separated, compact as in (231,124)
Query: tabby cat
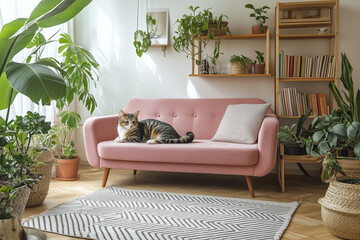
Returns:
(150,131)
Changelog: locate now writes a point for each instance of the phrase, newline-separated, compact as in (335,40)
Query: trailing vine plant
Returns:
(142,39)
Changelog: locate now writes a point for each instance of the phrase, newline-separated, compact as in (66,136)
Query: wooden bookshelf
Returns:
(230,75)
(265,36)
(332,37)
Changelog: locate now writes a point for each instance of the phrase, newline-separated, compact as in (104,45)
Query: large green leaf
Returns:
(5,92)
(36,81)
(43,7)
(65,11)
(11,44)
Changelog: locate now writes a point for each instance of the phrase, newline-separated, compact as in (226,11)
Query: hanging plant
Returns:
(142,39)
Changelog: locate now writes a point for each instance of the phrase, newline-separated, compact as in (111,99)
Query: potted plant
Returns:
(46,85)
(241,64)
(259,17)
(199,24)
(259,67)
(340,208)
(293,139)
(142,39)
(61,136)
(10,227)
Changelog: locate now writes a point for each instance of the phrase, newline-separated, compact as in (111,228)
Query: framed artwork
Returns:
(160,36)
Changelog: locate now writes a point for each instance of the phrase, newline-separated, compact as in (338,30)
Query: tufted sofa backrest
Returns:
(201,116)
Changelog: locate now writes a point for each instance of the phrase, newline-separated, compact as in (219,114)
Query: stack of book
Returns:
(296,103)
(306,66)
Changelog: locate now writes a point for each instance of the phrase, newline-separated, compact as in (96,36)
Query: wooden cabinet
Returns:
(290,15)
(264,37)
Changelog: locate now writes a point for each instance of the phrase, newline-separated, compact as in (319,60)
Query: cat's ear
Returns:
(121,114)
(136,114)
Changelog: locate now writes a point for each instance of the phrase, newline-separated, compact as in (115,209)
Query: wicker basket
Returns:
(213,28)
(19,202)
(340,209)
(40,191)
(350,167)
(238,68)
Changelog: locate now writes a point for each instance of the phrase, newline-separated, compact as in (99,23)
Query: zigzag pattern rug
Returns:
(116,213)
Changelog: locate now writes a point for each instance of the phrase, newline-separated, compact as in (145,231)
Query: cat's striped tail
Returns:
(188,138)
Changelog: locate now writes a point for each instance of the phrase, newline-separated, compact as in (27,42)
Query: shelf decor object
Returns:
(263,36)
(299,68)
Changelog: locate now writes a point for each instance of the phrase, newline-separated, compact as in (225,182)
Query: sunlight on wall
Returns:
(105,31)
(191,90)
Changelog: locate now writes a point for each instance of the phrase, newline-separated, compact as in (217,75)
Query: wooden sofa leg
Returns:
(106,175)
(250,186)
(135,172)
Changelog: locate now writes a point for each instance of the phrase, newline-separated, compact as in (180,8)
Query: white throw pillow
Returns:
(241,123)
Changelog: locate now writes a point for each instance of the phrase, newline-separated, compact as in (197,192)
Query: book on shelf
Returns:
(295,103)
(306,66)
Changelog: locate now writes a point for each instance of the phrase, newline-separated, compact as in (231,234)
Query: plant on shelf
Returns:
(293,138)
(241,64)
(259,17)
(259,67)
(142,39)
(201,26)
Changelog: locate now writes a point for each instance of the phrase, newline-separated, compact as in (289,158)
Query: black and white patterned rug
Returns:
(117,213)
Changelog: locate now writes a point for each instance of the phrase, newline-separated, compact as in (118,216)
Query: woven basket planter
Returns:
(340,209)
(238,68)
(350,167)
(19,202)
(213,28)
(40,191)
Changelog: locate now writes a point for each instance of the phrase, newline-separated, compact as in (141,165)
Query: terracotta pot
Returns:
(256,29)
(213,28)
(259,68)
(67,169)
(11,229)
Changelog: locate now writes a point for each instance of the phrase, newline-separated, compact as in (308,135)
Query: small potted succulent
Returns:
(259,17)
(241,64)
(259,67)
(199,24)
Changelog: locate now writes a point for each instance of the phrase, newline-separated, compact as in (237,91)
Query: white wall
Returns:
(106,28)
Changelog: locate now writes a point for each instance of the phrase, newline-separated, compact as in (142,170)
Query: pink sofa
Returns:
(202,117)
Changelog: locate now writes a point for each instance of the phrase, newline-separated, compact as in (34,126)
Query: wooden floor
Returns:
(305,224)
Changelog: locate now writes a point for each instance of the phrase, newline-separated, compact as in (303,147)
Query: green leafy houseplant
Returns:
(7,194)
(194,25)
(260,57)
(288,135)
(241,64)
(142,39)
(340,130)
(37,80)
(350,103)
(258,15)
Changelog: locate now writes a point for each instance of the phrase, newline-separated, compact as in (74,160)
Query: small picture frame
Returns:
(161,34)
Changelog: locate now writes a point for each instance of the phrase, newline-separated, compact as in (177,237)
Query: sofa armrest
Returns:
(98,129)
(267,145)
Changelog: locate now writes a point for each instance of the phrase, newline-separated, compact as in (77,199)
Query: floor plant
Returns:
(41,81)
